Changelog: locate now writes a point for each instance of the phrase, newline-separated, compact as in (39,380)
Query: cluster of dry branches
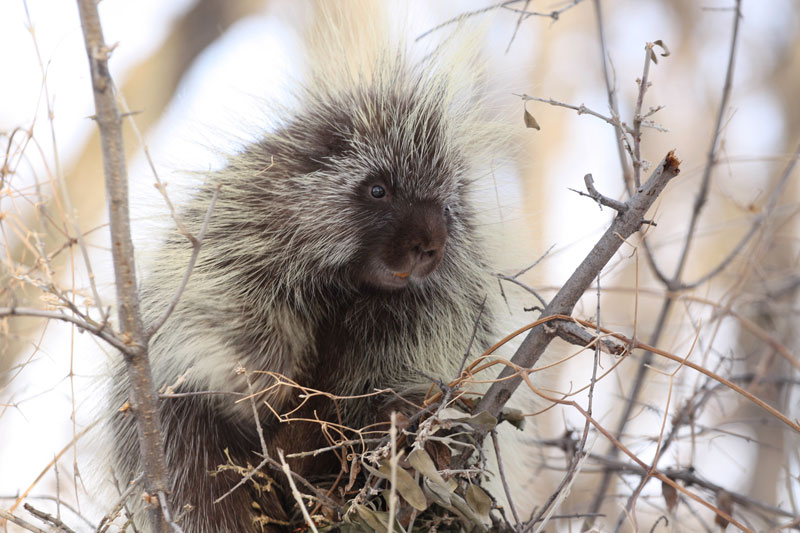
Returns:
(424,472)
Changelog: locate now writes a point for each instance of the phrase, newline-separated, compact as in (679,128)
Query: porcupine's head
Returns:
(366,186)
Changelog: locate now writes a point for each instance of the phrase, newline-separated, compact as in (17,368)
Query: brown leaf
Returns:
(402,422)
(440,454)
(670,496)
(725,503)
(530,122)
(663,46)
(355,468)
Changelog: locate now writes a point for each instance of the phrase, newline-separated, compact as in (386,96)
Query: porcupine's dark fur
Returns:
(308,271)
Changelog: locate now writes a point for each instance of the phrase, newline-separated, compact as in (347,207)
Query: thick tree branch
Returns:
(624,225)
(143,396)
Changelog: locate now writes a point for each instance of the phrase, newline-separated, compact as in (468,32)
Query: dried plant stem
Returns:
(20,522)
(393,460)
(296,493)
(502,474)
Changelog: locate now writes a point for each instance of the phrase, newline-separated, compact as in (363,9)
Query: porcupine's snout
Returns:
(414,248)
(421,241)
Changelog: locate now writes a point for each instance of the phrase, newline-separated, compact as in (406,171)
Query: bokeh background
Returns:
(196,74)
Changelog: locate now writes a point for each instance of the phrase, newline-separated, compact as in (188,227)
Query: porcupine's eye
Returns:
(377,191)
(447,210)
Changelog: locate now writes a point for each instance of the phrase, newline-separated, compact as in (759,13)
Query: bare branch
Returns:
(623,226)
(711,160)
(105,522)
(612,98)
(638,119)
(700,201)
(581,110)
(197,242)
(20,522)
(296,493)
(142,392)
(555,14)
(595,195)
(83,322)
(501,473)
(162,499)
(765,214)
(48,518)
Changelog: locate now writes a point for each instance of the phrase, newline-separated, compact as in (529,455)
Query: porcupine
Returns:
(344,253)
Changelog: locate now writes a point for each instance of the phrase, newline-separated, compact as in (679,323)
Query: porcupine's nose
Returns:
(426,240)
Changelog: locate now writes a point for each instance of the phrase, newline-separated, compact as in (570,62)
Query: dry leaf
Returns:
(515,417)
(406,486)
(670,496)
(440,454)
(377,521)
(663,46)
(725,503)
(423,463)
(530,122)
(479,501)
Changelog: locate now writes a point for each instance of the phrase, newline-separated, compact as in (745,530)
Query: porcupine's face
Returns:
(407,239)
(405,201)
(385,186)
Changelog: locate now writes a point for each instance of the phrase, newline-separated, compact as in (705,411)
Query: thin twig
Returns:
(471,338)
(20,522)
(502,474)
(664,478)
(517,25)
(162,499)
(601,199)
(48,518)
(296,493)
(197,242)
(247,477)
(264,451)
(82,322)
(117,507)
(668,302)
(501,5)
(393,460)
(765,214)
(578,456)
(637,116)
(689,477)
(70,212)
(612,99)
(581,110)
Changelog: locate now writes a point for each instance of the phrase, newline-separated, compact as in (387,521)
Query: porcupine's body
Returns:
(342,253)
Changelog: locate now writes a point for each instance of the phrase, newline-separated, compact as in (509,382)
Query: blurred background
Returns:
(195,76)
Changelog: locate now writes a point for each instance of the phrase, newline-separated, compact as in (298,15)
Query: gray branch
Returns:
(623,226)
(142,392)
